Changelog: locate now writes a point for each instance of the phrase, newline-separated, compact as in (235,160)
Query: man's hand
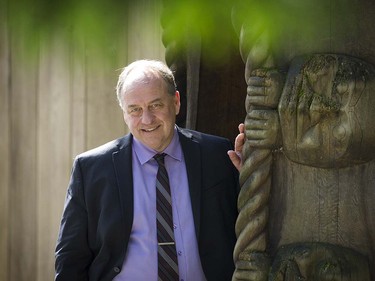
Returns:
(235,155)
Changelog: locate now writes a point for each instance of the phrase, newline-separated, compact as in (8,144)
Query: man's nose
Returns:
(147,117)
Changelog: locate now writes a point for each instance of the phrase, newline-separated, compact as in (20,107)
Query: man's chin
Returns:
(154,144)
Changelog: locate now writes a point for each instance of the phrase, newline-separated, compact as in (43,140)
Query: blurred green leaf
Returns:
(99,23)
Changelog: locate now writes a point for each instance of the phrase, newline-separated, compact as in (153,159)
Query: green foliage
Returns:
(89,24)
(100,22)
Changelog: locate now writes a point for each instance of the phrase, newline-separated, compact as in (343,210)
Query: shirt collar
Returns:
(144,153)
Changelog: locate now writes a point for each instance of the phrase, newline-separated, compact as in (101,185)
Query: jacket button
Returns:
(116,269)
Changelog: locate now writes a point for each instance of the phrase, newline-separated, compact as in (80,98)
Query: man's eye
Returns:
(135,110)
(155,106)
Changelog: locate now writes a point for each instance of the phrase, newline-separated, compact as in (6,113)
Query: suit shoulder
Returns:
(204,137)
(105,150)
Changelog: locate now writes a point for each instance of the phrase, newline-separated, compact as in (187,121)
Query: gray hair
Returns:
(147,70)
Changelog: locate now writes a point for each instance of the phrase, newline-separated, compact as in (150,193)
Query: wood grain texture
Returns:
(54,104)
(4,147)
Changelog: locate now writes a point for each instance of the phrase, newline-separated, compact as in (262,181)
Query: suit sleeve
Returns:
(73,255)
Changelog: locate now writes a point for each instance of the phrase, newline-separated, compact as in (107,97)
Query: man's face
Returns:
(150,113)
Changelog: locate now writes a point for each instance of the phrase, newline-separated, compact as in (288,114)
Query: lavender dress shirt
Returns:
(141,259)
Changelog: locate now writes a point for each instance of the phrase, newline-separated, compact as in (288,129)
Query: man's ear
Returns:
(177,102)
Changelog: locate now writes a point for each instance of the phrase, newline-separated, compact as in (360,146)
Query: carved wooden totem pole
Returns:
(306,206)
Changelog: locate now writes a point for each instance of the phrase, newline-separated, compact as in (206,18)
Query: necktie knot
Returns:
(160,158)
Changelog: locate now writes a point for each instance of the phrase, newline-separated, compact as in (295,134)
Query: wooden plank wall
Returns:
(4,149)
(52,106)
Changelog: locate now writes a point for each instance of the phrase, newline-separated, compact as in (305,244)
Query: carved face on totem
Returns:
(327,111)
(319,261)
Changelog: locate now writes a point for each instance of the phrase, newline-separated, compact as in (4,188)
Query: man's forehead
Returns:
(138,77)
(145,93)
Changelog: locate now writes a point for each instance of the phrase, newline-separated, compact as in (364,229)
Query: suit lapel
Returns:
(192,155)
(122,161)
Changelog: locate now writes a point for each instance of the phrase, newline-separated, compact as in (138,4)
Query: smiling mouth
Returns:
(150,129)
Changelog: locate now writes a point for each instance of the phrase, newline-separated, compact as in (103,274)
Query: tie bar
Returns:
(165,243)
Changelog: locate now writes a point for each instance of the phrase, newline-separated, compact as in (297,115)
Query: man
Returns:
(109,228)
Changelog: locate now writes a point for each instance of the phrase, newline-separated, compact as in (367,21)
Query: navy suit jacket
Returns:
(98,212)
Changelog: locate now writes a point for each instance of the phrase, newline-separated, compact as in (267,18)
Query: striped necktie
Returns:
(167,256)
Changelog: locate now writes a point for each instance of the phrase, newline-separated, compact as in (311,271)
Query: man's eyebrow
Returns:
(153,101)
(132,105)
(156,100)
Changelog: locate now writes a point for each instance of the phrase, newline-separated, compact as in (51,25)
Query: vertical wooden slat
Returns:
(53,148)
(4,146)
(145,32)
(23,174)
(77,110)
(192,82)
(104,120)
(104,116)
